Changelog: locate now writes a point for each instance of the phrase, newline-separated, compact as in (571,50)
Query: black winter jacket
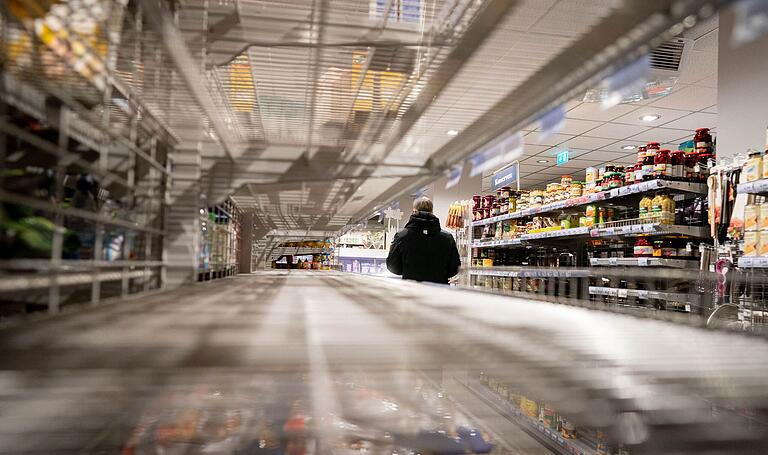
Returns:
(424,252)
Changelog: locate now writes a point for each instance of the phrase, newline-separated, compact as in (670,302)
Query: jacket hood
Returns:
(424,221)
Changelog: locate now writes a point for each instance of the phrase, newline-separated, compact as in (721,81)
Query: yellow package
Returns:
(751,243)
(751,217)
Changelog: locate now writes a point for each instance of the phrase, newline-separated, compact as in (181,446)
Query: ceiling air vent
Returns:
(669,56)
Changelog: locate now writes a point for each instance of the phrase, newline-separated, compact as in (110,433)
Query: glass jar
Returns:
(495,209)
(662,164)
(512,203)
(648,165)
(505,192)
(576,189)
(629,175)
(677,162)
(488,201)
(638,172)
(702,139)
(691,160)
(476,202)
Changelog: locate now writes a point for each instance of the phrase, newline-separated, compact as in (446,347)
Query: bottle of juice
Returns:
(645,207)
(657,207)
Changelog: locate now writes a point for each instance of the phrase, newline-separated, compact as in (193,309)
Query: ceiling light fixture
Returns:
(541,161)
(650,117)
(452,132)
(628,147)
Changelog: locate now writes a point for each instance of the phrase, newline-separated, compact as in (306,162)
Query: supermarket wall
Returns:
(742,91)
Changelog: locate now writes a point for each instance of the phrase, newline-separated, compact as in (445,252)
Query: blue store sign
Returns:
(504,178)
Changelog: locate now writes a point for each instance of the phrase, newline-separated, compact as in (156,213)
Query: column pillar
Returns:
(742,91)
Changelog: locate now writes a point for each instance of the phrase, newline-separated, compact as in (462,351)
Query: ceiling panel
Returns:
(617,130)
(693,121)
(534,137)
(692,98)
(602,155)
(660,135)
(667,115)
(594,111)
(587,142)
(577,126)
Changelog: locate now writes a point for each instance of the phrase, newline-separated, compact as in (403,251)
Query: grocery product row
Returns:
(652,164)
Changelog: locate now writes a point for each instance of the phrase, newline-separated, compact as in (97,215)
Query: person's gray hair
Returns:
(423,204)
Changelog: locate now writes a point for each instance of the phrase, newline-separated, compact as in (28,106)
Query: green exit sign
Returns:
(562,157)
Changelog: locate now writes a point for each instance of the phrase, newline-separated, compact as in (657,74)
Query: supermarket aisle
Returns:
(215,365)
(229,364)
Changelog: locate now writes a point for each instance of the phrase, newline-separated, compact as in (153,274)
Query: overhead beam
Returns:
(160,17)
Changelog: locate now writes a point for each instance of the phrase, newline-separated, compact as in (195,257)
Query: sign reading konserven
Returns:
(507,177)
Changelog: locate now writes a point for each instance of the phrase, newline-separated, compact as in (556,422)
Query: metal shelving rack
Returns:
(73,117)
(590,285)
(220,238)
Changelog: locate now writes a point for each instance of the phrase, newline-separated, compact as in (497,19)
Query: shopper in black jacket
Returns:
(422,251)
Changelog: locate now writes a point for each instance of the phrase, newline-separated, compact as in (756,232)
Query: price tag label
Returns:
(594,233)
(613,261)
(614,193)
(648,228)
(688,308)
(641,294)
(609,231)
(622,293)
(642,186)
(760,262)
(636,228)
(642,262)
(624,190)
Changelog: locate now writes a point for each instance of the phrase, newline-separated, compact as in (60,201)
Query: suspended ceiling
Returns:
(312,112)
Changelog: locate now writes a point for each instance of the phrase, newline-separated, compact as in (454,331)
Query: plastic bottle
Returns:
(645,207)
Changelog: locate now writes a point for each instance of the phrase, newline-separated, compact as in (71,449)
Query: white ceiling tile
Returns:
(690,98)
(711,109)
(709,81)
(534,138)
(594,111)
(659,135)
(693,121)
(617,147)
(602,155)
(667,115)
(533,149)
(698,65)
(577,126)
(616,130)
(587,142)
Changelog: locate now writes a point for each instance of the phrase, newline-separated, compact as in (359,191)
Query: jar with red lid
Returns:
(629,175)
(702,138)
(653,147)
(691,161)
(486,212)
(642,248)
(648,165)
(703,162)
(677,161)
(638,171)
(641,151)
(488,201)
(662,164)
(476,201)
